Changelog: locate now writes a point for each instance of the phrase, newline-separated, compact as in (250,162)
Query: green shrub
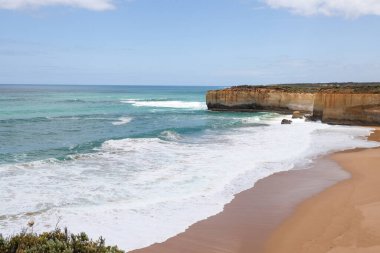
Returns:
(57,241)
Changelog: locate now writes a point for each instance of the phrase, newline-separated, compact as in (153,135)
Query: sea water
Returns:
(136,164)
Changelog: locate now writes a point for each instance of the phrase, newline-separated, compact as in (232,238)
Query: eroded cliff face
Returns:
(346,108)
(259,99)
(338,105)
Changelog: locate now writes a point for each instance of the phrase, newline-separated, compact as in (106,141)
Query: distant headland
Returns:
(334,103)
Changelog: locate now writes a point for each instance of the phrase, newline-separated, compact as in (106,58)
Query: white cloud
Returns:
(96,5)
(347,8)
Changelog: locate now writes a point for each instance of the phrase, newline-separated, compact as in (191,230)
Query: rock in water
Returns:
(297,115)
(286,122)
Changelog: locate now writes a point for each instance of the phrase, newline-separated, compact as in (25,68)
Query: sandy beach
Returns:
(344,218)
(322,209)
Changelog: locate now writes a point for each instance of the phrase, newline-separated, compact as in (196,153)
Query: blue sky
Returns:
(188,42)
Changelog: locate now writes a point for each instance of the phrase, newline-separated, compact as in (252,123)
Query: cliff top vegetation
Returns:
(350,87)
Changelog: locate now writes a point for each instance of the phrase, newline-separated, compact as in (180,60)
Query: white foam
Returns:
(170,136)
(167,104)
(136,192)
(122,121)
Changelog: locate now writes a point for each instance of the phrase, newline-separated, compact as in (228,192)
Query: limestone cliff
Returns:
(259,99)
(346,108)
(330,103)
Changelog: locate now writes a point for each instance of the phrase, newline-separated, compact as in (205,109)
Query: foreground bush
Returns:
(57,241)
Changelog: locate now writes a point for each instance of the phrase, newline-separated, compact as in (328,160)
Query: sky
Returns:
(188,42)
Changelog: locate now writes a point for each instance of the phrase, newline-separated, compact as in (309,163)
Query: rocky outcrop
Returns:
(357,104)
(286,122)
(297,115)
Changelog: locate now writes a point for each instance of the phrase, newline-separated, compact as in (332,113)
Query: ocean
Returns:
(139,164)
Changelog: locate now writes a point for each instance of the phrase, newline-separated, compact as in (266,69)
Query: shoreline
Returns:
(250,218)
(254,220)
(342,219)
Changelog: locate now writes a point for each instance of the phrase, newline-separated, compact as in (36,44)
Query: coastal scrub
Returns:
(57,241)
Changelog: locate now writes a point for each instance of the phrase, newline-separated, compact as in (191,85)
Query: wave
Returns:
(56,118)
(136,183)
(74,101)
(16,99)
(122,121)
(167,104)
(38,119)
(170,136)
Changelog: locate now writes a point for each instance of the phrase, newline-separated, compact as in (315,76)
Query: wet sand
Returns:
(314,210)
(343,219)
(250,218)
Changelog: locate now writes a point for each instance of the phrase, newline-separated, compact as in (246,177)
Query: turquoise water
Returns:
(39,122)
(136,164)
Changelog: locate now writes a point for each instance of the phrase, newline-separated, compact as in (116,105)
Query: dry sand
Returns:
(343,219)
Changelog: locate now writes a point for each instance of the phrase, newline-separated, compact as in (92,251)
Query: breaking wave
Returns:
(167,104)
(122,121)
(129,184)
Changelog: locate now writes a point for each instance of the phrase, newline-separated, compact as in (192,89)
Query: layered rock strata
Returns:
(357,104)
